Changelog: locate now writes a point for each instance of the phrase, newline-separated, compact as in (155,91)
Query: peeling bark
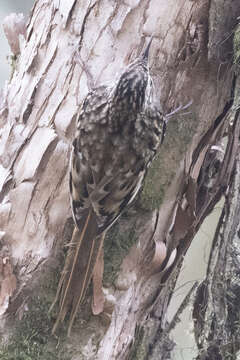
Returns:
(186,180)
(216,309)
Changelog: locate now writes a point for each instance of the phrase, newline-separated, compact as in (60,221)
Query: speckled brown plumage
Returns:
(118,133)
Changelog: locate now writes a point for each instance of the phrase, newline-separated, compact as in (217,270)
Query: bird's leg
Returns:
(98,296)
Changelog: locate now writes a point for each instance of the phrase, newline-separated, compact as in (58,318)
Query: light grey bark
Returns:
(38,113)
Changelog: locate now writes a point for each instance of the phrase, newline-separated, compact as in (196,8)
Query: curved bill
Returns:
(146,51)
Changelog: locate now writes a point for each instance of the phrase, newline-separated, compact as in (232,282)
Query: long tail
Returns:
(78,268)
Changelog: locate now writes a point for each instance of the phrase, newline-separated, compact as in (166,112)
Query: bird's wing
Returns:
(108,175)
(109,195)
(85,244)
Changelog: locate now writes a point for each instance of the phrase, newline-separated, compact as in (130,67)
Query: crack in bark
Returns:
(90,8)
(30,104)
(70,13)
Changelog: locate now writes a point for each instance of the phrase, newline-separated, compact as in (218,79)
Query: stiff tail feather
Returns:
(78,268)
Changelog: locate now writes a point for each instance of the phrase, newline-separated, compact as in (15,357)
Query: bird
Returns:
(119,130)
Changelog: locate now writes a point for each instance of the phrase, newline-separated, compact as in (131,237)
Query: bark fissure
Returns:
(88,12)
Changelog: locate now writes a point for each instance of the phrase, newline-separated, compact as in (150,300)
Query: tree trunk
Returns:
(216,307)
(70,46)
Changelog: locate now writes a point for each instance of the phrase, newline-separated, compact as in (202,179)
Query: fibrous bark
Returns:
(216,306)
(38,113)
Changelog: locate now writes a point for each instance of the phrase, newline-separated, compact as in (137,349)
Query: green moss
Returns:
(153,189)
(180,131)
(31,338)
(236,46)
(116,246)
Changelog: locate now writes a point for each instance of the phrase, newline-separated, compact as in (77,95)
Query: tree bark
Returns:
(216,308)
(69,47)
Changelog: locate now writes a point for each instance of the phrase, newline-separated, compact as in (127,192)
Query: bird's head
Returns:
(133,88)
